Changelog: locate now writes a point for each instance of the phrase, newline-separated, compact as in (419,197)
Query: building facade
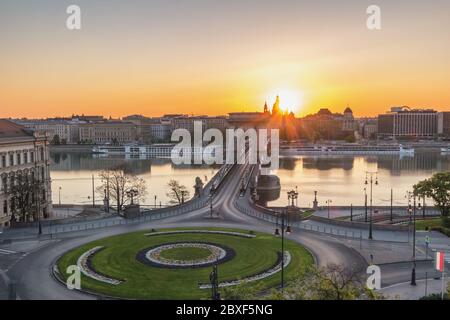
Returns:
(64,131)
(25,185)
(108,132)
(403,122)
(443,119)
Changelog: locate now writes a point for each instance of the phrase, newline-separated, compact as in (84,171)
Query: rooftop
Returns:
(9,129)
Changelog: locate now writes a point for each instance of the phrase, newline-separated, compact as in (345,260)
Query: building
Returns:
(247,120)
(403,122)
(160,132)
(368,128)
(61,130)
(443,123)
(25,185)
(325,125)
(108,132)
(348,121)
(186,122)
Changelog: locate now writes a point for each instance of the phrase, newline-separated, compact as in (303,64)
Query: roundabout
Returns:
(176,263)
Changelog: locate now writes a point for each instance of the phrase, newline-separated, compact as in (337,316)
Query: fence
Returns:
(298,224)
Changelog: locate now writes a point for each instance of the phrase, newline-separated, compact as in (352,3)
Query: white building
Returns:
(25,185)
(66,130)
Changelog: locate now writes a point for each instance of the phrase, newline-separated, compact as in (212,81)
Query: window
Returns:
(11,159)
(4,161)
(5,207)
(25,157)
(42,154)
(18,161)
(4,184)
(32,156)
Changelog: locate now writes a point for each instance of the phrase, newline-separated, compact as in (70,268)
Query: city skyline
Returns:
(211,58)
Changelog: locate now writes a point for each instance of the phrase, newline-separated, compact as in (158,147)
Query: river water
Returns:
(338,178)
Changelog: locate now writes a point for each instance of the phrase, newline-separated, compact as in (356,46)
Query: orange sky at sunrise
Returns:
(214,58)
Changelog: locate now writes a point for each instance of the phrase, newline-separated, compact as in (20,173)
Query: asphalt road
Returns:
(32,272)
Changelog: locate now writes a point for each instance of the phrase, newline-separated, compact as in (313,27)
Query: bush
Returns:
(436,296)
(445,222)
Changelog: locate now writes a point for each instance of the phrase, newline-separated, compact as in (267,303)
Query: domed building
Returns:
(349,123)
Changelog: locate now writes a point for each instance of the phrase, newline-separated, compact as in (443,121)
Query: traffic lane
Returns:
(393,273)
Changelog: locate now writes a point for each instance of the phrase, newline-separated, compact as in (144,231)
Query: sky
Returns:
(212,57)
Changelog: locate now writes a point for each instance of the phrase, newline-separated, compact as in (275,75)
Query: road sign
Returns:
(427,240)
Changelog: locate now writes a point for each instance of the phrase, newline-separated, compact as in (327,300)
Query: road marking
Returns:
(3,251)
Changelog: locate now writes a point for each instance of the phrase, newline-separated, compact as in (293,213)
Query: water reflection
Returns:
(72,172)
(341,178)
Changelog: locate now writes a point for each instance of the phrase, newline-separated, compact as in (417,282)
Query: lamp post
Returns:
(413,212)
(131,194)
(59,195)
(370,178)
(214,280)
(155,200)
(211,195)
(328,202)
(365,204)
(284,227)
(183,194)
(292,197)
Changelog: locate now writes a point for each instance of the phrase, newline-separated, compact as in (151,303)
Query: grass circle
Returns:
(140,281)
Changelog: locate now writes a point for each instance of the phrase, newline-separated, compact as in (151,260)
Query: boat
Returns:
(161,150)
(345,149)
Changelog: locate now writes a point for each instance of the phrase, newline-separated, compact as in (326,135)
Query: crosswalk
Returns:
(4,251)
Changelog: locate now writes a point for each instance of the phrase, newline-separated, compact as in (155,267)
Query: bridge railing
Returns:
(351,234)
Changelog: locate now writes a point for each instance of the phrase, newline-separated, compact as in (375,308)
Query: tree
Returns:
(437,188)
(25,191)
(118,183)
(243,291)
(56,140)
(332,282)
(177,192)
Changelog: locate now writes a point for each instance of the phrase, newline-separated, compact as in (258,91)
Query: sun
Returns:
(290,100)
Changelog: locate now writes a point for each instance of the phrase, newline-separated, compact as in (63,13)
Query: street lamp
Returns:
(365,204)
(328,202)
(370,178)
(211,195)
(413,271)
(292,197)
(131,194)
(59,195)
(183,194)
(285,227)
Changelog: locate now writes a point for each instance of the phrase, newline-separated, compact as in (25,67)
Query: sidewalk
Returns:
(405,291)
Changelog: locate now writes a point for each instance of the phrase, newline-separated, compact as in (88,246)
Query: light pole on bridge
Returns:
(370,179)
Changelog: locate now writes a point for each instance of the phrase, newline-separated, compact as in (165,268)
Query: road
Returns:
(32,269)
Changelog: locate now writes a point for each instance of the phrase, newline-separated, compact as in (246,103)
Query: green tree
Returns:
(56,140)
(438,188)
